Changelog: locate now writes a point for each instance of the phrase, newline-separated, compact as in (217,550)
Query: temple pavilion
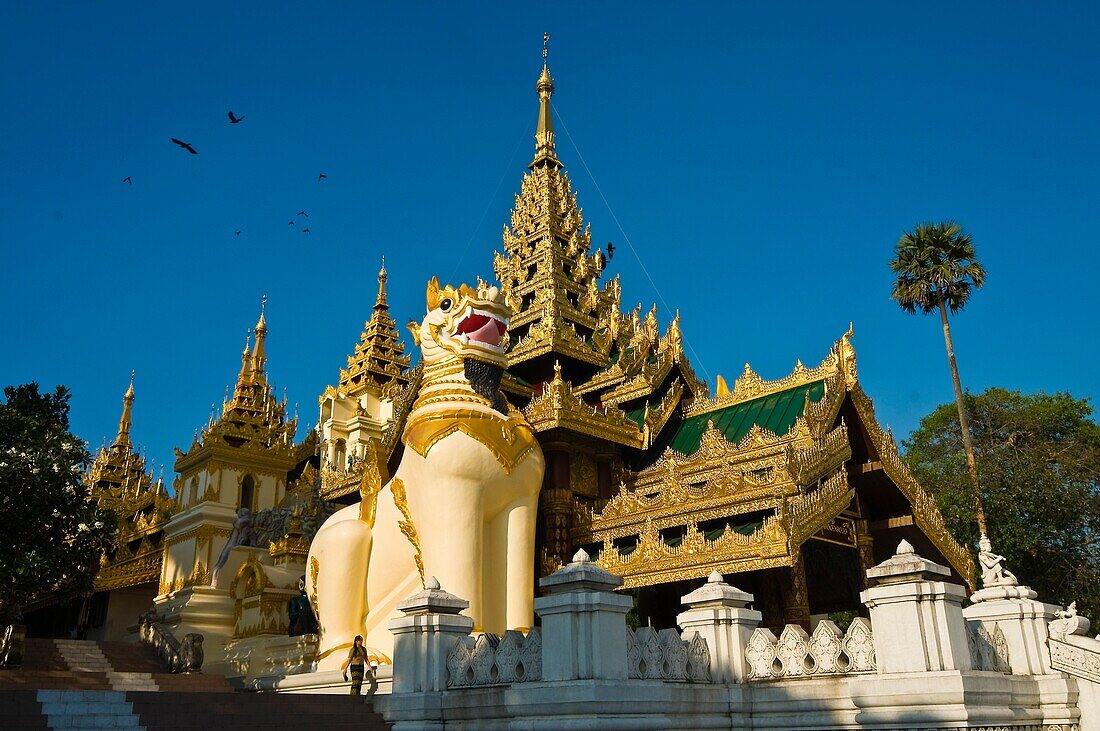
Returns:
(789,487)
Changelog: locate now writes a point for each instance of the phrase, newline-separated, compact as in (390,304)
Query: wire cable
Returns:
(697,360)
(488,205)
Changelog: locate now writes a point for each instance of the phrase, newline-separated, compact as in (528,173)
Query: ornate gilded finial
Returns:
(259,355)
(246,358)
(380,300)
(544,133)
(125,421)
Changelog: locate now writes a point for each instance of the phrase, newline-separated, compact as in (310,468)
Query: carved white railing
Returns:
(653,655)
(795,654)
(988,650)
(492,660)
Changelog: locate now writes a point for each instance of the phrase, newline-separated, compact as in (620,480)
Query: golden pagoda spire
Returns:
(259,356)
(544,133)
(126,420)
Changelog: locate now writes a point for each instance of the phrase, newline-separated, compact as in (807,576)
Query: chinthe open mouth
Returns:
(481,328)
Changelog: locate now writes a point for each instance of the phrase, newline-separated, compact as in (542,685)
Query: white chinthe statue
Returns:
(461,505)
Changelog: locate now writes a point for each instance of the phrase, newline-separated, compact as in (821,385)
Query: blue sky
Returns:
(762,160)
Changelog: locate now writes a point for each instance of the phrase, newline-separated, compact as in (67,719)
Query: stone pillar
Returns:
(796,599)
(424,637)
(583,623)
(917,622)
(1023,622)
(719,613)
(556,501)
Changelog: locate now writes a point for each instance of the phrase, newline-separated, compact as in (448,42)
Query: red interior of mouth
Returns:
(482,328)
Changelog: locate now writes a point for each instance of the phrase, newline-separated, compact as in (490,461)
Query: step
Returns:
(87,709)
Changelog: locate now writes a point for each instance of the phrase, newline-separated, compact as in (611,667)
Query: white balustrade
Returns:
(795,654)
(663,655)
(489,660)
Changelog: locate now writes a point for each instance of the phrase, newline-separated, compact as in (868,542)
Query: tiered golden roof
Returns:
(252,419)
(606,364)
(379,359)
(119,481)
(548,274)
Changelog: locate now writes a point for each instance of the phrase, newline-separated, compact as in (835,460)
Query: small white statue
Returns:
(241,536)
(994,572)
(1067,613)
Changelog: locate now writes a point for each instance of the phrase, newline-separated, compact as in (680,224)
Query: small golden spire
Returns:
(125,421)
(544,133)
(246,359)
(259,355)
(380,300)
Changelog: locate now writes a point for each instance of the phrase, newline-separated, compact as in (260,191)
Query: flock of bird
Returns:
(233,119)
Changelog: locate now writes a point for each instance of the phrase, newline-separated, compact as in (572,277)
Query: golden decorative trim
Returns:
(314,569)
(369,487)
(653,561)
(408,528)
(749,385)
(509,439)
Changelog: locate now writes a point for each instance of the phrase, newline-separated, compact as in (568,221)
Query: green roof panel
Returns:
(775,412)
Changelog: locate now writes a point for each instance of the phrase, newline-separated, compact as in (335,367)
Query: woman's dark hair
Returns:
(358,639)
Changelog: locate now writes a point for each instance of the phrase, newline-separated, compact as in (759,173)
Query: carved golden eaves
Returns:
(653,561)
(558,406)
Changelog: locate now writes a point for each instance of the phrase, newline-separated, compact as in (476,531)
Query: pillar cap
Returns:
(905,566)
(581,574)
(433,600)
(717,593)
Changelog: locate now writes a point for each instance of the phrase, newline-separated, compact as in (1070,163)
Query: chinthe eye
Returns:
(445,305)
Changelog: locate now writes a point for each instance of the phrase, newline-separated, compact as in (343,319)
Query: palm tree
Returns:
(937,269)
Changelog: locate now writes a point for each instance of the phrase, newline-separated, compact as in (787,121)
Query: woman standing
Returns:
(357,660)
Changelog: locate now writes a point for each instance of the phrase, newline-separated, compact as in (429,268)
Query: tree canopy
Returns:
(1038,459)
(52,534)
(935,263)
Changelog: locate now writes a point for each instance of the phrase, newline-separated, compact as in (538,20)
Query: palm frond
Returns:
(935,262)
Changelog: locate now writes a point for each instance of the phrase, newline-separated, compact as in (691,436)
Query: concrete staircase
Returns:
(78,684)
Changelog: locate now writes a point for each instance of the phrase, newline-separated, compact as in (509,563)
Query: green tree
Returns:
(52,534)
(937,270)
(1039,467)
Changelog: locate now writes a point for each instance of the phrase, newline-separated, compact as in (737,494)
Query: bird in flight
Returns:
(234,119)
(610,250)
(185,146)
(236,233)
(127,180)
(305,230)
(321,177)
(302,213)
(290,223)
